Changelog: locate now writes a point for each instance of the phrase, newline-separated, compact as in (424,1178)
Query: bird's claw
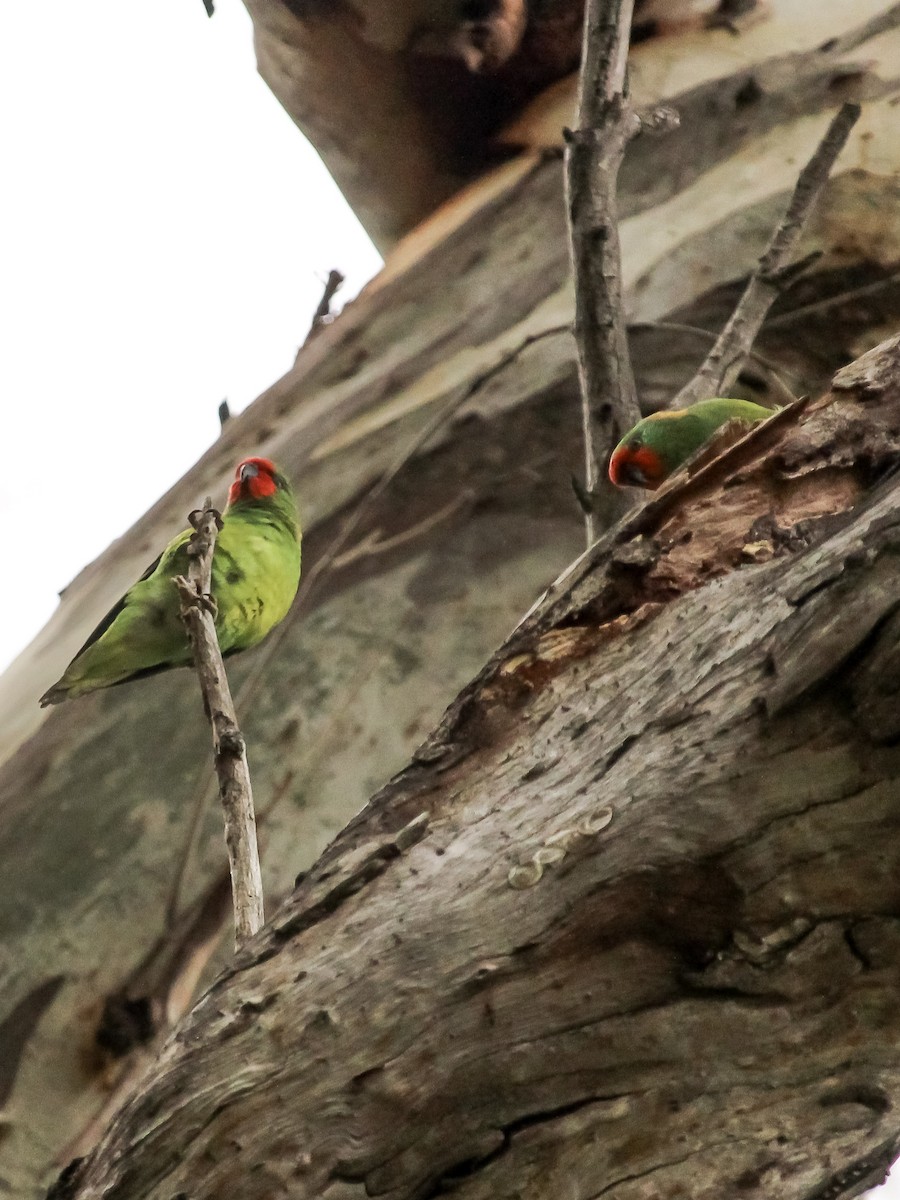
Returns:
(196,517)
(208,603)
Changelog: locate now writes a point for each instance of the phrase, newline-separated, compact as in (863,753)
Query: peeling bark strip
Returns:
(698,996)
(230,750)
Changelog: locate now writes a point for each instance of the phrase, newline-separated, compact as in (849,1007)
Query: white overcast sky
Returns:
(164,233)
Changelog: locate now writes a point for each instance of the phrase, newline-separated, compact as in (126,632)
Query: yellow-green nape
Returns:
(659,444)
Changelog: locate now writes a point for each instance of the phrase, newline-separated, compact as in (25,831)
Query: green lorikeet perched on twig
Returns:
(658,445)
(255,573)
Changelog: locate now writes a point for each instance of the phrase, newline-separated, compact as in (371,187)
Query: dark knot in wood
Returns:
(231,741)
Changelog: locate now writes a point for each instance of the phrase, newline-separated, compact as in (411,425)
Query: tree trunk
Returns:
(470,319)
(627,925)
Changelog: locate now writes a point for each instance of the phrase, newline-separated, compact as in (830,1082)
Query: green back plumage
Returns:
(677,434)
(255,573)
(673,435)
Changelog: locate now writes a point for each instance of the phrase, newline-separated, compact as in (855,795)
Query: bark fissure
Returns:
(660,1166)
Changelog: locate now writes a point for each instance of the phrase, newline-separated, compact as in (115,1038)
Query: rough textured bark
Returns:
(95,801)
(627,924)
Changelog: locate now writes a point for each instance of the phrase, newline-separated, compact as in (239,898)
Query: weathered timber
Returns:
(628,921)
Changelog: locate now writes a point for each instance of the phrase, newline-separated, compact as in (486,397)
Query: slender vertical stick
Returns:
(230,751)
(727,356)
(606,124)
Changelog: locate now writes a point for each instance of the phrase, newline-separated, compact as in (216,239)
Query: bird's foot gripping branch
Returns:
(198,611)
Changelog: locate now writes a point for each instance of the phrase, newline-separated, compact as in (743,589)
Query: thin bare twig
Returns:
(230,751)
(850,296)
(594,152)
(726,358)
(323,314)
(320,571)
(773,370)
(880,23)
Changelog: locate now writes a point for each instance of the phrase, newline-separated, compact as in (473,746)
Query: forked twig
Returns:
(606,124)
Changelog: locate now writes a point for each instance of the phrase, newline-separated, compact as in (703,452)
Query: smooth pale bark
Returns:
(627,923)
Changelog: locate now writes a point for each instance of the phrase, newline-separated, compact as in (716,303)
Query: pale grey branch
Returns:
(197,611)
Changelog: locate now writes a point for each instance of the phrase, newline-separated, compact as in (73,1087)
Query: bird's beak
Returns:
(248,471)
(624,471)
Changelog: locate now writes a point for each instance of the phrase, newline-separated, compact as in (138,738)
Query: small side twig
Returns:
(729,353)
(323,313)
(197,612)
(594,152)
(773,370)
(882,22)
(848,296)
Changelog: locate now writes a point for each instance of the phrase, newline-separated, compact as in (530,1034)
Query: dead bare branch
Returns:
(197,609)
(323,315)
(880,23)
(594,152)
(729,353)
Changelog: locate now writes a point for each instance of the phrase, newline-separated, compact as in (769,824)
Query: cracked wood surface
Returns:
(436,573)
(697,995)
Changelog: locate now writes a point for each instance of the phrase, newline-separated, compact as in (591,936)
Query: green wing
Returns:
(140,635)
(256,569)
(107,621)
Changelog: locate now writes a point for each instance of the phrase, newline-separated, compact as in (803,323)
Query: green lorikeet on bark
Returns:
(255,573)
(658,445)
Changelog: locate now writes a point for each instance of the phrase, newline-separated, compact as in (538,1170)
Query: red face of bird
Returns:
(254,479)
(636,465)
